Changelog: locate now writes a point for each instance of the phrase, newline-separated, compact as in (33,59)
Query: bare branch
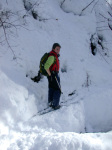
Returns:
(109,26)
(7,23)
(103,57)
(5,34)
(103,16)
(32,7)
(94,5)
(109,13)
(62,3)
(109,4)
(108,19)
(86,7)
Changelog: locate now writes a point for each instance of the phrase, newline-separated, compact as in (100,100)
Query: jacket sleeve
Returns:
(49,62)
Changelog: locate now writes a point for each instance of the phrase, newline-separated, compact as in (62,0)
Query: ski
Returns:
(63,103)
(47,111)
(39,112)
(44,111)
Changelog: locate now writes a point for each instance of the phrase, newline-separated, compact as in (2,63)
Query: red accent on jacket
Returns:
(56,65)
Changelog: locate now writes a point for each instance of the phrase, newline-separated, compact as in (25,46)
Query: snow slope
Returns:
(85,122)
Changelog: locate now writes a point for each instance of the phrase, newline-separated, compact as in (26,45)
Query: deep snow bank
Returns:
(33,138)
(16,103)
(98,109)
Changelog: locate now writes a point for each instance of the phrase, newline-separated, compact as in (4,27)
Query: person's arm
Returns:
(48,71)
(48,63)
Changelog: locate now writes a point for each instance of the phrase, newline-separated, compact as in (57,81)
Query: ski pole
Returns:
(58,85)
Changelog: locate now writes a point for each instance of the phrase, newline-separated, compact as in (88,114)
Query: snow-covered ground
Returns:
(85,122)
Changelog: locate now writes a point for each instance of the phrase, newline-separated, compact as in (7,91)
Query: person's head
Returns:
(56,47)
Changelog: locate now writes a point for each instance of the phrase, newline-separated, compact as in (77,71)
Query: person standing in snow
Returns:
(52,68)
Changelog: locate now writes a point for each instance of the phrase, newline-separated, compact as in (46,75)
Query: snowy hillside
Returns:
(28,29)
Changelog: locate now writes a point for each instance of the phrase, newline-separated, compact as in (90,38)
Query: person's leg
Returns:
(50,96)
(54,91)
(50,93)
(56,98)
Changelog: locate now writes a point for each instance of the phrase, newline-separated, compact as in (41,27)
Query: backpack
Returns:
(42,62)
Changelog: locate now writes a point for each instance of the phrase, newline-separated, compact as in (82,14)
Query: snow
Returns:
(85,121)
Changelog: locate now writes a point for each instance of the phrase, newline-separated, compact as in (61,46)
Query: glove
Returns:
(37,78)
